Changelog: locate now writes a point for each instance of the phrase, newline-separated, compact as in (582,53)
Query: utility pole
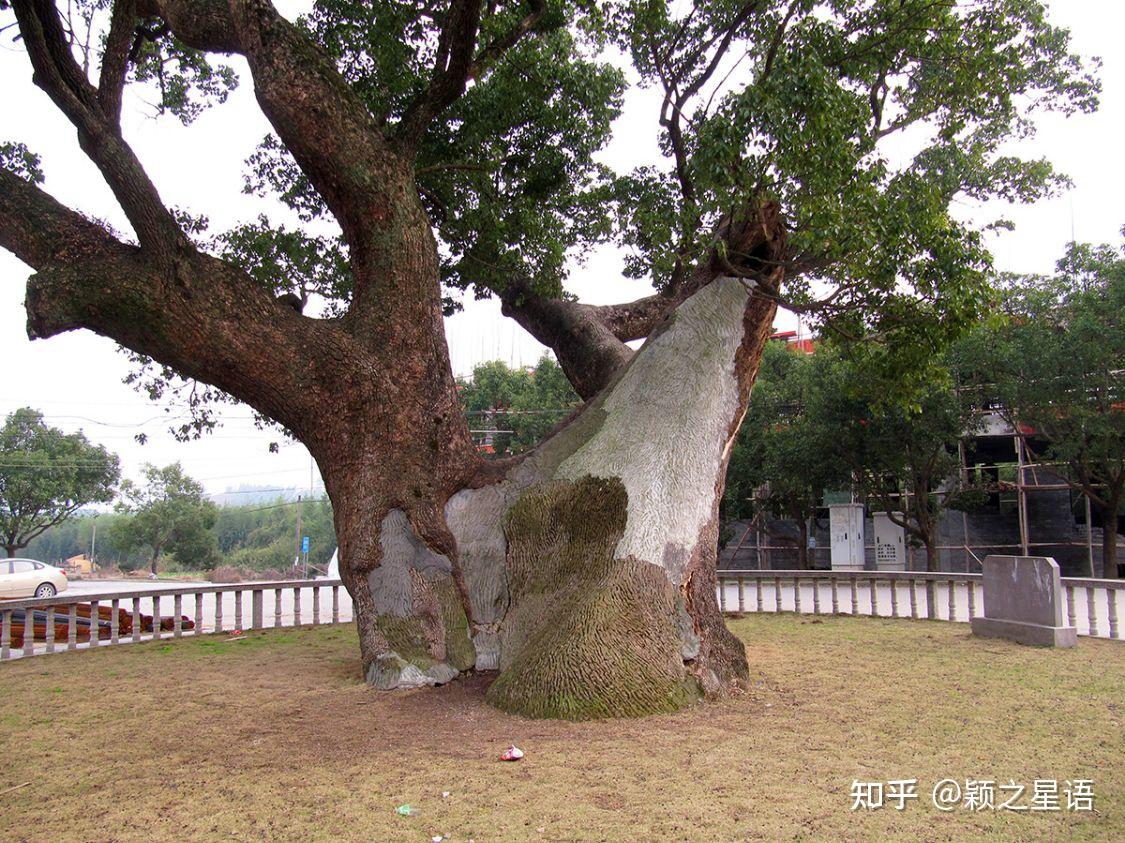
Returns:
(297,539)
(93,543)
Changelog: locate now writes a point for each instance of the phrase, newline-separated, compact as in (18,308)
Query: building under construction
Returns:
(1030,510)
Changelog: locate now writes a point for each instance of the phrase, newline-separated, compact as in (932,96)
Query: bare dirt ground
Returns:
(274,737)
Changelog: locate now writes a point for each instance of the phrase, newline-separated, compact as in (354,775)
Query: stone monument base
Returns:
(1034,634)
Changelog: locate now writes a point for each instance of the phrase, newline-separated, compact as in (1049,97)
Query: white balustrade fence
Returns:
(1091,604)
(209,608)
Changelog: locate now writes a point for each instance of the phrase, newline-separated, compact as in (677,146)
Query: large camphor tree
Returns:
(812,149)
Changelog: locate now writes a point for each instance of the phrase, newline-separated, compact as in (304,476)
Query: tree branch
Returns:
(115,62)
(589,340)
(199,315)
(456,44)
(496,49)
(57,73)
(588,352)
(41,232)
(456,65)
(367,183)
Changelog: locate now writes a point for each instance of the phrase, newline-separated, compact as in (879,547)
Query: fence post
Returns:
(1091,610)
(95,625)
(50,629)
(335,604)
(835,596)
(114,621)
(316,605)
(199,613)
(136,619)
(277,607)
(157,621)
(218,611)
(931,604)
(72,628)
(237,609)
(1111,600)
(177,610)
(256,608)
(5,633)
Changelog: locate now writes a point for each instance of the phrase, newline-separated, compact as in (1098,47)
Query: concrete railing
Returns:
(214,608)
(1091,604)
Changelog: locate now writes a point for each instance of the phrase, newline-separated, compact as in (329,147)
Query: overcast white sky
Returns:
(76,379)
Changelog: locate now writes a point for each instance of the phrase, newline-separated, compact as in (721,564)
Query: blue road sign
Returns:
(305,545)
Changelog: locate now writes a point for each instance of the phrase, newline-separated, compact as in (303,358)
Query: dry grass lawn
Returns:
(274,737)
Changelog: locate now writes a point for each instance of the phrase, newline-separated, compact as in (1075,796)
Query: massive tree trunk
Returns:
(585,573)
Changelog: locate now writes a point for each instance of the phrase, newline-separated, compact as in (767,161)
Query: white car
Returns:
(30,578)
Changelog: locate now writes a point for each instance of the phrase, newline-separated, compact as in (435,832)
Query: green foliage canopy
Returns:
(863,121)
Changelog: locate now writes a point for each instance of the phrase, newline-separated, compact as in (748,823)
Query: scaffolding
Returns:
(1027,480)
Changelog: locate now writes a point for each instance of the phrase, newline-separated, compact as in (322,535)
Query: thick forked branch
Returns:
(367,184)
(329,130)
(458,62)
(456,45)
(203,317)
(99,133)
(589,340)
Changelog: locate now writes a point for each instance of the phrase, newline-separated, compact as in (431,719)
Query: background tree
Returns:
(1054,368)
(168,514)
(902,454)
(476,127)
(785,457)
(523,403)
(46,476)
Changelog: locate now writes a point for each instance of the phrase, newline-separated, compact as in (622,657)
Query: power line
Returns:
(286,503)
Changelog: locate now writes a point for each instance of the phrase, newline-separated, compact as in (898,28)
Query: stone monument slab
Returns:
(1023,602)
